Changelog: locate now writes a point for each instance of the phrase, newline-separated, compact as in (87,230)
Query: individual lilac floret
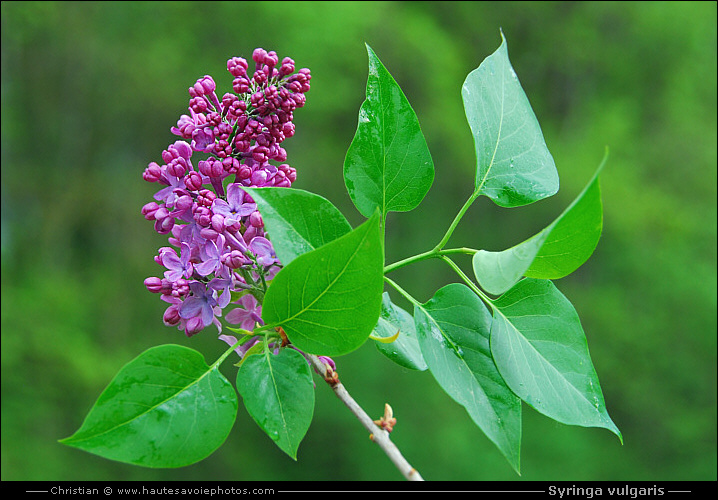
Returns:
(247,315)
(224,286)
(199,308)
(211,253)
(235,208)
(172,316)
(263,251)
(177,267)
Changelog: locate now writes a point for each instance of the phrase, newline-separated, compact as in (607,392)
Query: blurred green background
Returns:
(90,90)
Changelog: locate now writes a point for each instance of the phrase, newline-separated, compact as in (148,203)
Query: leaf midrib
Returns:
(541,356)
(285,430)
(329,286)
(498,136)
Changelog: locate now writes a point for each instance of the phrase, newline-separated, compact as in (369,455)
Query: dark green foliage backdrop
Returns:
(89,91)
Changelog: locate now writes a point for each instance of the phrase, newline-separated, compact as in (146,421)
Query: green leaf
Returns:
(453,331)
(328,300)
(388,164)
(514,166)
(165,408)
(278,392)
(297,221)
(541,351)
(405,349)
(557,251)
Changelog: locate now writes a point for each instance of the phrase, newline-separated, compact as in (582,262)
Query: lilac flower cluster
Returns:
(218,247)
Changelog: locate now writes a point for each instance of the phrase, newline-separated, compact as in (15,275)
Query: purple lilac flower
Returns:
(247,315)
(211,253)
(199,308)
(224,286)
(235,208)
(263,251)
(177,267)
(220,235)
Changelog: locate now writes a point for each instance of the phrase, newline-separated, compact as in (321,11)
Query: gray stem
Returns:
(379,435)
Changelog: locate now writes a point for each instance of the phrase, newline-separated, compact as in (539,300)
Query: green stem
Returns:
(415,258)
(468,281)
(265,327)
(428,255)
(456,221)
(438,251)
(227,353)
(406,294)
(382,229)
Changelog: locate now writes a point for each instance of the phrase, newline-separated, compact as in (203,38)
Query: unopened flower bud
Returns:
(287,67)
(149,210)
(259,178)
(234,259)
(205,197)
(184,203)
(193,181)
(258,55)
(259,77)
(255,219)
(271,59)
(244,172)
(171,316)
(198,104)
(179,288)
(153,172)
(208,233)
(211,167)
(153,284)
(183,149)
(280,154)
(205,85)
(289,172)
(328,361)
(177,167)
(230,165)
(169,154)
(194,325)
(240,84)
(165,225)
(280,180)
(202,215)
(237,66)
(217,223)
(299,99)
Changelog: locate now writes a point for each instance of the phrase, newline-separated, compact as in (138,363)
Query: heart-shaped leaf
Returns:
(165,408)
(557,251)
(297,221)
(514,166)
(541,351)
(278,392)
(453,331)
(388,164)
(328,300)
